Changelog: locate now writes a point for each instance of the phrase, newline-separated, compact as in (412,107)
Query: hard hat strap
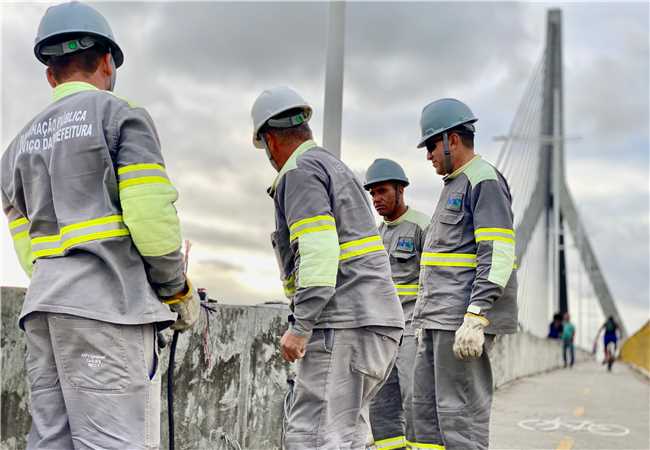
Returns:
(447,165)
(71,46)
(287,122)
(268,153)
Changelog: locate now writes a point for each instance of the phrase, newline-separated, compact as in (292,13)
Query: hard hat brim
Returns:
(432,133)
(367,186)
(116,51)
(257,142)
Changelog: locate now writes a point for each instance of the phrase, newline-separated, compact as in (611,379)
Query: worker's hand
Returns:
(186,304)
(469,337)
(292,347)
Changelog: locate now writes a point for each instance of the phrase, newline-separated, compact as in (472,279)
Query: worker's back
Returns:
(60,185)
(364,295)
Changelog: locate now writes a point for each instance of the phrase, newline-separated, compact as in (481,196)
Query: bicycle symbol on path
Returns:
(601,429)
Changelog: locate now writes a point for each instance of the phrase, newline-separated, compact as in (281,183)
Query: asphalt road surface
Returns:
(585,407)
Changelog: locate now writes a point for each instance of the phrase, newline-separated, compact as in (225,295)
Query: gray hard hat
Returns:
(73,26)
(273,102)
(384,170)
(443,115)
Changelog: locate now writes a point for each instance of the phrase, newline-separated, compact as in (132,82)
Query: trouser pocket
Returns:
(93,353)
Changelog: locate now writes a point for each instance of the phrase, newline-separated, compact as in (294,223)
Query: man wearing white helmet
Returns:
(468,288)
(347,321)
(90,210)
(402,231)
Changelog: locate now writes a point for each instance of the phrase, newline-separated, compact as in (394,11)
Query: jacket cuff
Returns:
(302,327)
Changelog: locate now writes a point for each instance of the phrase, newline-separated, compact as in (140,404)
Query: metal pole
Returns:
(556,171)
(332,117)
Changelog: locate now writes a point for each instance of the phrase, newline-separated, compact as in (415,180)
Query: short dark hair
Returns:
(466,137)
(85,61)
(299,132)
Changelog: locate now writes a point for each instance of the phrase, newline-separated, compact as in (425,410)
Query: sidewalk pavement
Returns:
(585,407)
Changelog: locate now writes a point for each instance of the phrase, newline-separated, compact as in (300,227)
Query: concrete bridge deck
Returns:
(581,408)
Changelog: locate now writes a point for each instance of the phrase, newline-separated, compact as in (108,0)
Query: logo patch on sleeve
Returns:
(455,201)
(406,244)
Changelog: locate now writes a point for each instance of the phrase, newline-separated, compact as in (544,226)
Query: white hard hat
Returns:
(275,101)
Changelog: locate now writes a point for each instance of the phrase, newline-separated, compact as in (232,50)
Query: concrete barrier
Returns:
(230,381)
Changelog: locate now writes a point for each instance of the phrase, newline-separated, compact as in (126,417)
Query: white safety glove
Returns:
(186,304)
(469,337)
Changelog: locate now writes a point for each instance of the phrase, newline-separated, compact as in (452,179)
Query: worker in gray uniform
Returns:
(402,231)
(90,211)
(347,321)
(468,288)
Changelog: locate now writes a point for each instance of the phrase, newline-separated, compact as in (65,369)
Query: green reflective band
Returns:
(78,233)
(391,443)
(494,234)
(311,225)
(136,174)
(429,446)
(72,45)
(71,87)
(407,289)
(360,247)
(149,212)
(448,259)
(319,258)
(289,286)
(503,262)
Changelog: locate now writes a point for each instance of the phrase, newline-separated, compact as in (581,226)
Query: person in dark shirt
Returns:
(555,327)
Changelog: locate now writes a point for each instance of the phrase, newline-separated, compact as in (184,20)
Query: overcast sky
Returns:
(197,67)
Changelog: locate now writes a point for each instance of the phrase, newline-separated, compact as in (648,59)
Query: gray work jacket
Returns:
(404,240)
(469,254)
(90,210)
(333,264)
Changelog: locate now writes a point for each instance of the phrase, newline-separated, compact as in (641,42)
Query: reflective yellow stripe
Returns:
(78,240)
(407,289)
(136,167)
(495,234)
(143,180)
(361,252)
(297,234)
(347,252)
(450,255)
(391,443)
(494,238)
(18,222)
(360,242)
(495,230)
(448,259)
(91,223)
(419,445)
(77,226)
(311,220)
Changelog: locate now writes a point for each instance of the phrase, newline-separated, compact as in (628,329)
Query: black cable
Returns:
(170,390)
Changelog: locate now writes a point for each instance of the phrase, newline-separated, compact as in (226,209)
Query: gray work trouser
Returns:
(342,370)
(93,385)
(391,411)
(451,398)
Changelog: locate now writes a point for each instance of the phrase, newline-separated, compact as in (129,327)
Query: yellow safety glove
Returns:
(186,304)
(469,339)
